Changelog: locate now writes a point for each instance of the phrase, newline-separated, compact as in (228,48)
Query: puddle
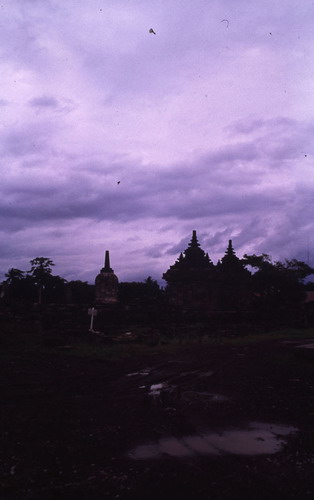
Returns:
(290,342)
(156,389)
(311,341)
(142,373)
(257,439)
(216,398)
(197,374)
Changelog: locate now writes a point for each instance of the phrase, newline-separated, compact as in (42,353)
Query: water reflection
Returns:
(156,389)
(142,373)
(218,398)
(259,438)
(306,346)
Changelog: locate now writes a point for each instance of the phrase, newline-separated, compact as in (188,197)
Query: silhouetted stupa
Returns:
(106,284)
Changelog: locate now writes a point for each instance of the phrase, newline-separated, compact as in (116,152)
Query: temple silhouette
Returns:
(106,284)
(195,283)
(198,290)
(234,291)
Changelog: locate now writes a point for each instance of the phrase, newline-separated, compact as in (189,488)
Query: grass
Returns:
(109,351)
(282,334)
(117,351)
(30,340)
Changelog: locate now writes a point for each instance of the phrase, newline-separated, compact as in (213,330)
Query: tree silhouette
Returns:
(13,275)
(278,286)
(144,290)
(41,272)
(79,292)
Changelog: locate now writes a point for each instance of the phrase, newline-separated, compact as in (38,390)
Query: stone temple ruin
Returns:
(106,284)
(193,281)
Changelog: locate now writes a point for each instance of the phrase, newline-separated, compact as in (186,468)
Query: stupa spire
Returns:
(194,241)
(106,284)
(107,268)
(230,251)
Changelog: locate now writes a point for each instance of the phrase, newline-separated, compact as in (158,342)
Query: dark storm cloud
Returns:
(257,227)
(90,98)
(231,192)
(27,139)
(41,198)
(178,247)
(221,183)
(218,239)
(51,104)
(21,143)
(101,198)
(44,102)
(246,163)
(249,125)
(245,126)
(236,152)
(218,202)
(276,139)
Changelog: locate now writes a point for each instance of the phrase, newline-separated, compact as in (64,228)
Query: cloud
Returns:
(199,191)
(44,101)
(179,246)
(206,128)
(203,188)
(20,143)
(245,126)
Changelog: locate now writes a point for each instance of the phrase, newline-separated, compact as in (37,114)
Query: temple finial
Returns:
(107,268)
(194,242)
(230,250)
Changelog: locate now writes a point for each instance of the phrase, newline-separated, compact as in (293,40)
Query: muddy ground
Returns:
(83,428)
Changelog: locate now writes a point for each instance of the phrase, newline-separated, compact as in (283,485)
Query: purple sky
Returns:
(208,125)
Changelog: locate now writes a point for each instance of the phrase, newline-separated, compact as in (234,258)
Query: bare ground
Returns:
(69,424)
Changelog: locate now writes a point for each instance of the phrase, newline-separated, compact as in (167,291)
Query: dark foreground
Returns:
(80,428)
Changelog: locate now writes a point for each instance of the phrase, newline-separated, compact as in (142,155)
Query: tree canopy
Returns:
(268,286)
(277,285)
